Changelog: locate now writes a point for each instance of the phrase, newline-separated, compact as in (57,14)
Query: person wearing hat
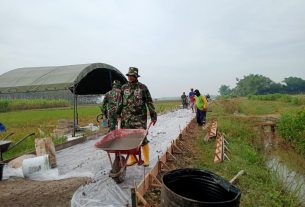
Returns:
(184,100)
(136,99)
(202,106)
(111,103)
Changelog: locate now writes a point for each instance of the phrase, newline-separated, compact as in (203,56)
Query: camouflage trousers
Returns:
(112,120)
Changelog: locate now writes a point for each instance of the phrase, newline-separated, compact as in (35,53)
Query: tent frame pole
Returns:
(76,106)
(74,112)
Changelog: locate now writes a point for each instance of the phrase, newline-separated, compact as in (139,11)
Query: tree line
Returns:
(254,84)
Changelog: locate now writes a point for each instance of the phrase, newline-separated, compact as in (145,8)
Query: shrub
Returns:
(292,128)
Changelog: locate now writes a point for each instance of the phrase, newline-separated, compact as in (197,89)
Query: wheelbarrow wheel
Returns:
(118,172)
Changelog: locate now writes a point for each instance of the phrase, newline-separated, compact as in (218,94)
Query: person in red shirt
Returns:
(192,99)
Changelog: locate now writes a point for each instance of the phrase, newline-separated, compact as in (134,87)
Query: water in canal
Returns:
(284,162)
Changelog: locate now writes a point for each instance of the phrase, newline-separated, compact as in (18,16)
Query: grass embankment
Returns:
(259,186)
(291,124)
(28,121)
(26,104)
(294,99)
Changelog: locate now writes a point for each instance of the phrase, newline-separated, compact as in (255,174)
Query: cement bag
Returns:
(33,166)
(50,148)
(46,146)
(40,147)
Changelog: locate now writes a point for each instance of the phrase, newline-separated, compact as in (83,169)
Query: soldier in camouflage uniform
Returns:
(184,100)
(136,99)
(111,103)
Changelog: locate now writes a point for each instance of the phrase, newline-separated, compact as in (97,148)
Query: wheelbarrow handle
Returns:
(149,125)
(119,123)
(100,116)
(7,136)
(21,140)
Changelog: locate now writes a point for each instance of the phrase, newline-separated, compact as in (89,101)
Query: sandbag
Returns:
(17,162)
(46,146)
(40,147)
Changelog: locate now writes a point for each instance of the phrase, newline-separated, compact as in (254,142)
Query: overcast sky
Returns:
(176,44)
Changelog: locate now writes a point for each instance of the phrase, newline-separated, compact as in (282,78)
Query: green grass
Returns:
(294,99)
(253,107)
(259,186)
(28,121)
(291,126)
(26,104)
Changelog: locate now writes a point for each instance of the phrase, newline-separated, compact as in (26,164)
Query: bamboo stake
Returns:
(236,176)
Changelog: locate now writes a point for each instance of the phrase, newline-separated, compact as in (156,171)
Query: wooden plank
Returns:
(145,183)
(213,130)
(154,180)
(176,149)
(236,176)
(70,143)
(171,156)
(219,150)
(141,198)
(150,178)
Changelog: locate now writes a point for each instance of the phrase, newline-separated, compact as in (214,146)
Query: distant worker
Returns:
(202,106)
(184,100)
(192,99)
(136,99)
(111,103)
(208,97)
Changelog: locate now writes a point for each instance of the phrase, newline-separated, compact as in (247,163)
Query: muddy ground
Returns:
(19,192)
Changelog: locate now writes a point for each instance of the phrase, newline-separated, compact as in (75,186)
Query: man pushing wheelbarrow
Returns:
(136,99)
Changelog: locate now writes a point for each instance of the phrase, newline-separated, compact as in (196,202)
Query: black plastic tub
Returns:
(191,187)
(1,169)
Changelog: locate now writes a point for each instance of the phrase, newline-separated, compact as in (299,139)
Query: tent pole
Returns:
(74,112)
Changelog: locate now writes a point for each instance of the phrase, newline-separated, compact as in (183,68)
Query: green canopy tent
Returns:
(82,79)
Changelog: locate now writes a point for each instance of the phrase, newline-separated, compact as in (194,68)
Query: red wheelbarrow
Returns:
(122,142)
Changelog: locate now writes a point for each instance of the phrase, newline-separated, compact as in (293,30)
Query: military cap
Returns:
(133,71)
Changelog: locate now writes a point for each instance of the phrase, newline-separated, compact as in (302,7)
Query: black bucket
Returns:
(1,169)
(196,188)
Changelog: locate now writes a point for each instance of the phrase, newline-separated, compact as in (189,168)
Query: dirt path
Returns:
(20,192)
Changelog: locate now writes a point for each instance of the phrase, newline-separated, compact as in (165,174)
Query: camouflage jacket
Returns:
(136,99)
(112,101)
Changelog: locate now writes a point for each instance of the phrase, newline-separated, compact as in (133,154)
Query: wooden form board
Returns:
(212,132)
(150,179)
(219,149)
